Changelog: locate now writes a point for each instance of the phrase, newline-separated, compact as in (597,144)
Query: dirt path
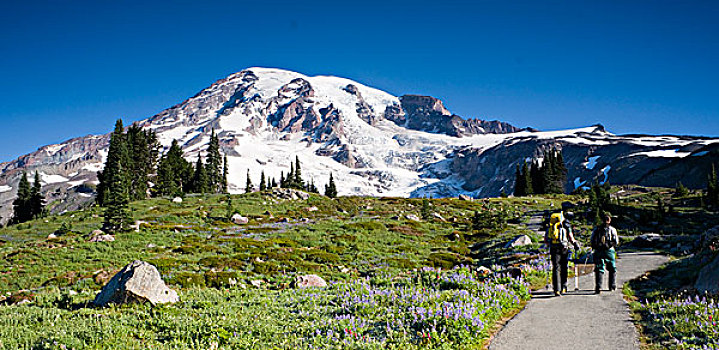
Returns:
(579,319)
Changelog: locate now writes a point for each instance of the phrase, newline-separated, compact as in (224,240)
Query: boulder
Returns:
(484,271)
(239,219)
(708,279)
(257,283)
(136,282)
(313,208)
(413,217)
(465,197)
(177,200)
(102,238)
(519,241)
(438,217)
(96,233)
(648,240)
(308,281)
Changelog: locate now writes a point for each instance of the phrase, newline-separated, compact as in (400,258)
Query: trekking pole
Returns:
(576,272)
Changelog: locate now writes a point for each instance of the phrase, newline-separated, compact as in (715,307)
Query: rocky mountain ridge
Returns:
(374,143)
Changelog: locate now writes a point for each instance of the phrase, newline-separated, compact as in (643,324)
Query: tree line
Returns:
(30,203)
(548,176)
(293,179)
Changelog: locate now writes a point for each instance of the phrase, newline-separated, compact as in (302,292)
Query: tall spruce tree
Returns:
(535,173)
(298,182)
(117,160)
(143,148)
(37,200)
(263,183)
(116,216)
(214,164)
(331,188)
(520,186)
(21,205)
(712,194)
(225,171)
(528,186)
(174,173)
(273,184)
(199,178)
(248,184)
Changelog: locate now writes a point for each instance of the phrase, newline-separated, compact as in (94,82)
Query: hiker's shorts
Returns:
(605,260)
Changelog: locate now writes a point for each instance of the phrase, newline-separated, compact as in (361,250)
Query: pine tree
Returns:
(331,188)
(527,179)
(117,160)
(520,187)
(298,182)
(283,182)
(200,182)
(116,216)
(174,173)
(214,164)
(274,183)
(680,190)
(37,200)
(290,180)
(21,204)
(425,210)
(263,184)
(535,173)
(225,171)
(248,185)
(712,194)
(143,150)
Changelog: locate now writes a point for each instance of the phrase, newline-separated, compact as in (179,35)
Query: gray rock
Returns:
(465,197)
(438,217)
(136,282)
(413,217)
(519,241)
(177,200)
(102,238)
(308,281)
(257,283)
(648,240)
(239,219)
(708,279)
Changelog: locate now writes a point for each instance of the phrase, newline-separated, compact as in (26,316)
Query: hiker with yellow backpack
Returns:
(604,239)
(558,237)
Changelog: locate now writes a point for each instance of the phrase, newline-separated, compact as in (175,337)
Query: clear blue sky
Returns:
(70,68)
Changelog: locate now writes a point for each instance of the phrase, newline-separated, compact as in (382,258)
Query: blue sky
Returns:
(70,68)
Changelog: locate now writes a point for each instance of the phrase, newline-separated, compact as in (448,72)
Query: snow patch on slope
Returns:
(5,188)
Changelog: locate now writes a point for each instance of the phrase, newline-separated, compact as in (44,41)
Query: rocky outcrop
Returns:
(519,241)
(310,281)
(136,282)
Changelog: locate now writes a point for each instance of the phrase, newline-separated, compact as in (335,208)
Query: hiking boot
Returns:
(564,290)
(597,291)
(612,281)
(557,294)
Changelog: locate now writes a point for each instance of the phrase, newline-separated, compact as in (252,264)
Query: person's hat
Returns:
(567,205)
(607,215)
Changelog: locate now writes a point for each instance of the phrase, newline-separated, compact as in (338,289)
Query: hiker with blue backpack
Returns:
(558,237)
(604,239)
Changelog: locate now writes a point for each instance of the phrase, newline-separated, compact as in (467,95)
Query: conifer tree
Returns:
(116,216)
(248,184)
(519,183)
(225,171)
(680,190)
(117,160)
(37,200)
(274,183)
(174,173)
(298,182)
(263,184)
(535,173)
(21,204)
(712,194)
(200,181)
(214,164)
(528,188)
(290,179)
(331,188)
(143,150)
(283,182)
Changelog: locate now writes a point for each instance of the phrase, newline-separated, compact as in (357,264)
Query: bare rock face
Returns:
(519,241)
(136,282)
(308,281)
(239,219)
(708,279)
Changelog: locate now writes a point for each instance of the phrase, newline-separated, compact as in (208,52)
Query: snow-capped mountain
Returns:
(374,143)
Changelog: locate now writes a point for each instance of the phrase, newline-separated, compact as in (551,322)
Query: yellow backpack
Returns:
(555,230)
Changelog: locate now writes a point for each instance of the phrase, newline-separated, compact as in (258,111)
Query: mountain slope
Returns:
(374,143)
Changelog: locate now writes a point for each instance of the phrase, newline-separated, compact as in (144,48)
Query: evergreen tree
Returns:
(37,200)
(712,194)
(225,171)
(274,183)
(263,184)
(290,180)
(527,179)
(283,182)
(680,190)
(143,150)
(298,182)
(425,210)
(520,186)
(174,173)
(21,205)
(116,216)
(248,185)
(535,173)
(200,181)
(117,160)
(331,188)
(214,164)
